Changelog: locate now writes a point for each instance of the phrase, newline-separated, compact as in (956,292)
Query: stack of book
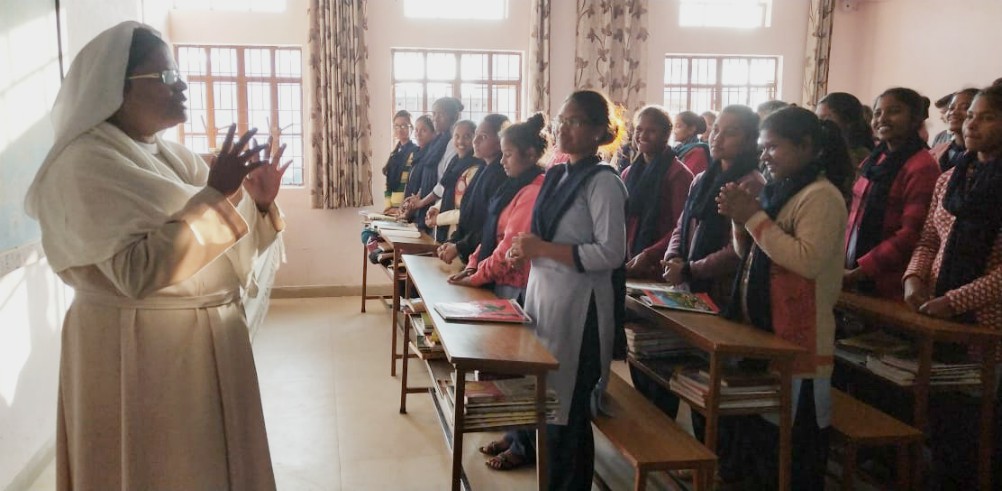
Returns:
(497,403)
(857,349)
(647,341)
(902,370)
(396,229)
(425,336)
(738,390)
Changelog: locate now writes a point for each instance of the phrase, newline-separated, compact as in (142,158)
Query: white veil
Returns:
(90,93)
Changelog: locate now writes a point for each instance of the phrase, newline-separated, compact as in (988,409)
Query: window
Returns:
(486,81)
(725,13)
(232,5)
(699,83)
(456,9)
(254,86)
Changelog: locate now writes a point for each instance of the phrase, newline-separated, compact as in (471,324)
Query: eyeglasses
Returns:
(401,126)
(571,122)
(169,77)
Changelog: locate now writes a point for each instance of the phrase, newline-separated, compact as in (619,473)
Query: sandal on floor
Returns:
(506,461)
(495,447)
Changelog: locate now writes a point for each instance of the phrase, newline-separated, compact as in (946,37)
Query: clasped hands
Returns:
(918,297)
(237,166)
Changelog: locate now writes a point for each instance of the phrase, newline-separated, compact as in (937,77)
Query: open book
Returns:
(494,310)
(679,300)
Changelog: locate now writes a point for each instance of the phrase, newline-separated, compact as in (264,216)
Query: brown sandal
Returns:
(506,461)
(495,447)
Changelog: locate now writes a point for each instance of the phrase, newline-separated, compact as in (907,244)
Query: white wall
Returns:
(932,46)
(32,298)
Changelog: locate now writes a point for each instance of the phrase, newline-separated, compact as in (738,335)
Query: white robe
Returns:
(557,295)
(158,388)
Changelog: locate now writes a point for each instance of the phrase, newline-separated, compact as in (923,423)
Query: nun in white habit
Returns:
(157,384)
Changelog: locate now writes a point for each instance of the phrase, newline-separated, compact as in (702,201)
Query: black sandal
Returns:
(506,461)
(495,447)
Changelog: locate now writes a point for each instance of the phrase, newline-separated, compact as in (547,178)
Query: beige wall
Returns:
(932,46)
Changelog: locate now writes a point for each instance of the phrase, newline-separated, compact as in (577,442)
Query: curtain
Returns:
(341,147)
(611,51)
(539,57)
(819,45)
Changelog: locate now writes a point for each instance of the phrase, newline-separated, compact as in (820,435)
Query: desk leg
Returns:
(457,431)
(712,419)
(987,445)
(404,363)
(785,422)
(920,414)
(396,310)
(542,471)
(365,276)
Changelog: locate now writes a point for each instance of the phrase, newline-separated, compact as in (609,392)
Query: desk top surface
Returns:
(424,240)
(510,348)
(713,333)
(899,316)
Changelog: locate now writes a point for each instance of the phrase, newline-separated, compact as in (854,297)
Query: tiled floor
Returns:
(331,406)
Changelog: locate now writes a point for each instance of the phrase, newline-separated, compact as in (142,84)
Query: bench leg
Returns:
(902,467)
(640,481)
(849,466)
(702,479)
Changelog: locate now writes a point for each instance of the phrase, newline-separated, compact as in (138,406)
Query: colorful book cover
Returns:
(680,300)
(494,310)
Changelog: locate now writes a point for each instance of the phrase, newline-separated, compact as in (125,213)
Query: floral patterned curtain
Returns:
(539,57)
(341,147)
(819,45)
(611,53)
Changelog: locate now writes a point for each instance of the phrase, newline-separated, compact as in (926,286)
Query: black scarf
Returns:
(974,196)
(643,183)
(397,164)
(713,230)
(869,232)
(417,168)
(429,173)
(774,197)
(951,156)
(473,208)
(553,202)
(457,166)
(498,202)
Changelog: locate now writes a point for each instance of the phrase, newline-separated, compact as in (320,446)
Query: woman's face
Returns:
(515,161)
(983,128)
(956,113)
(651,138)
(893,120)
(402,129)
(728,139)
(576,134)
(443,118)
(682,131)
(423,134)
(486,143)
(825,113)
(782,156)
(462,139)
(149,105)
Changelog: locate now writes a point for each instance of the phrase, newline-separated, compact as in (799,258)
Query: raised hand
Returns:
(263,183)
(233,163)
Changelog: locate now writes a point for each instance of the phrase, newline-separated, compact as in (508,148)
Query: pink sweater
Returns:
(515,219)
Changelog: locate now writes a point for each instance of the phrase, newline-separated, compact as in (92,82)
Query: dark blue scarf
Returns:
(643,183)
(498,202)
(397,164)
(457,166)
(473,208)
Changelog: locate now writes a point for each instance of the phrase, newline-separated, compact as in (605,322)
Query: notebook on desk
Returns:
(493,310)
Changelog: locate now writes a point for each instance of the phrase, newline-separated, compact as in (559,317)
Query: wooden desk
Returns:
(722,339)
(401,246)
(927,331)
(502,348)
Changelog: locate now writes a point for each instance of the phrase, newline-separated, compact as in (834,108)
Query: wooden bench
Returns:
(649,439)
(859,424)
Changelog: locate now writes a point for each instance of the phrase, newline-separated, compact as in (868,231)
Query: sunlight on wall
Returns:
(28,83)
(15,332)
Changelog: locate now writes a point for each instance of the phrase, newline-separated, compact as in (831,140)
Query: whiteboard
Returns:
(29,81)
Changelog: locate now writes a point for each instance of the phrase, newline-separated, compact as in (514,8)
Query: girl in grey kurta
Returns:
(157,385)
(578,240)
